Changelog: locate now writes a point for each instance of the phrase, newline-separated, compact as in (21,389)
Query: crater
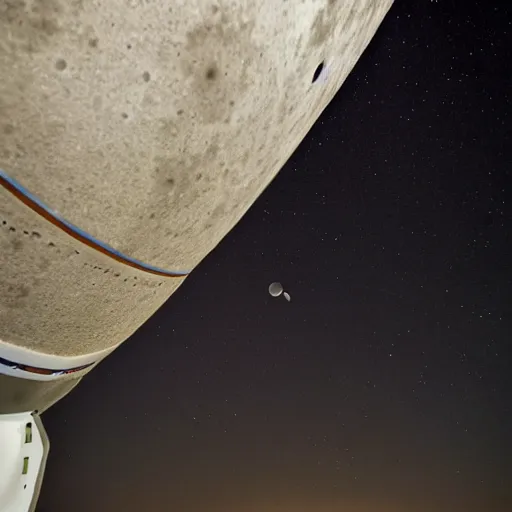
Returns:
(211,73)
(61,64)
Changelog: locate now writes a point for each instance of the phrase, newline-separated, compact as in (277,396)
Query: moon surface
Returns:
(152,129)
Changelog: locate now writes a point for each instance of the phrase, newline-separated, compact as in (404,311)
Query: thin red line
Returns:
(77,236)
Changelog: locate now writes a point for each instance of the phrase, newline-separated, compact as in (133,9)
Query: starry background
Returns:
(386,384)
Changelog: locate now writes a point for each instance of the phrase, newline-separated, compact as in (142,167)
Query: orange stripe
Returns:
(77,236)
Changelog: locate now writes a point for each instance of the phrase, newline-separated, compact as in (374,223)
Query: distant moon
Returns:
(275,289)
(287,296)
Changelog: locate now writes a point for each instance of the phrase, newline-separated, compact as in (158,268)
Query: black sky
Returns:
(386,384)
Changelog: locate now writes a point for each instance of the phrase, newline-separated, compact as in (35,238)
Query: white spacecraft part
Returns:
(24,448)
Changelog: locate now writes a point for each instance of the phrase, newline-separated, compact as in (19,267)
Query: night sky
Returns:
(385,385)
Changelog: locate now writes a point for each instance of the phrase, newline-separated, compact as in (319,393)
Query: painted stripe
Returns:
(18,361)
(17,190)
(41,371)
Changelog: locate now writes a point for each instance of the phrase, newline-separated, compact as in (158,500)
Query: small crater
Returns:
(93,43)
(124,115)
(51,244)
(199,177)
(146,76)
(318,72)
(61,64)
(180,112)
(211,73)
(128,46)
(170,181)
(13,229)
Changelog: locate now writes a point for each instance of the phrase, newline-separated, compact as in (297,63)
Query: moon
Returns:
(275,289)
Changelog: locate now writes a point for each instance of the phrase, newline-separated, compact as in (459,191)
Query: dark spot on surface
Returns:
(146,76)
(117,274)
(231,103)
(23,291)
(170,181)
(322,28)
(16,244)
(129,46)
(25,232)
(36,234)
(51,244)
(211,73)
(61,64)
(93,43)
(180,112)
(318,72)
(124,115)
(218,211)
(13,229)
(77,252)
(152,216)
(8,129)
(30,25)
(199,177)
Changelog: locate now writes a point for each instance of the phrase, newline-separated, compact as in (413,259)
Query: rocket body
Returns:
(132,140)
